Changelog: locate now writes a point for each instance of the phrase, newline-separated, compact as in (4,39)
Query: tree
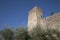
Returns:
(38,34)
(1,35)
(21,34)
(53,34)
(8,34)
(52,13)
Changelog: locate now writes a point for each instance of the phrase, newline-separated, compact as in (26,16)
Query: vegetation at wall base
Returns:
(22,34)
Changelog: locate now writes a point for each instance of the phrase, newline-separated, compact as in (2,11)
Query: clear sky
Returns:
(15,12)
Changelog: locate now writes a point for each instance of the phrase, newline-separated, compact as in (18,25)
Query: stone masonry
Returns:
(35,18)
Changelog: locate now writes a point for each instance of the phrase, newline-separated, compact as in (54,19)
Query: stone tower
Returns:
(34,18)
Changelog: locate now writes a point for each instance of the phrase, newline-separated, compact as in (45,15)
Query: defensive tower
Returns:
(34,18)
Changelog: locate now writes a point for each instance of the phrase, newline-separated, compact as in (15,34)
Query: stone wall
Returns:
(53,21)
(35,18)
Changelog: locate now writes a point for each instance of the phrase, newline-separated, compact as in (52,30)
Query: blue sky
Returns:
(15,12)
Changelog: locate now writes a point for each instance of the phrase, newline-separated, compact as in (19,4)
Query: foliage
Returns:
(36,34)
(52,13)
(53,34)
(0,35)
(21,34)
(39,34)
(7,34)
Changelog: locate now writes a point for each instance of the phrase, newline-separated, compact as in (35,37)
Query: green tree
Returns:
(1,35)
(21,34)
(52,13)
(8,34)
(38,34)
(53,34)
